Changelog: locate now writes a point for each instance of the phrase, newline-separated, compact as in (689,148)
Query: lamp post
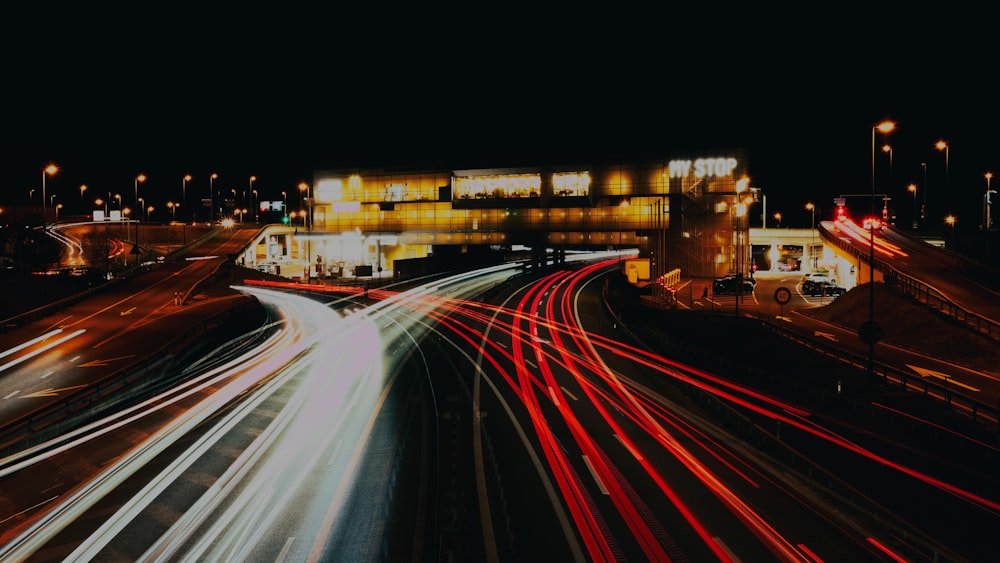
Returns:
(913,188)
(284,204)
(211,195)
(941,146)
(252,192)
(812,244)
(138,179)
(83,188)
(307,189)
(887,148)
(950,221)
(184,181)
(870,332)
(987,204)
(777,219)
(923,208)
(58,207)
(47,171)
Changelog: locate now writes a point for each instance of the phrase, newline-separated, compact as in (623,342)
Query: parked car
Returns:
(821,288)
(729,285)
(819,276)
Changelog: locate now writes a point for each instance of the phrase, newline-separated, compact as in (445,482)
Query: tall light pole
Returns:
(941,146)
(255,203)
(49,170)
(812,245)
(950,221)
(83,188)
(138,179)
(777,219)
(923,208)
(211,195)
(913,188)
(307,189)
(887,148)
(184,183)
(284,204)
(870,332)
(987,203)
(252,192)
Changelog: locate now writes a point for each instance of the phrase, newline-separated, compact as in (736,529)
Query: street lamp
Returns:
(941,146)
(869,331)
(211,195)
(887,148)
(812,245)
(284,204)
(173,209)
(988,203)
(58,207)
(923,208)
(138,179)
(184,181)
(47,171)
(255,203)
(950,221)
(83,188)
(777,219)
(913,188)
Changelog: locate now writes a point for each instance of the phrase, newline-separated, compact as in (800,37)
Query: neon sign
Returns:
(703,167)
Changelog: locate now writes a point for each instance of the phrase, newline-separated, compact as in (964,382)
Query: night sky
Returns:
(281,102)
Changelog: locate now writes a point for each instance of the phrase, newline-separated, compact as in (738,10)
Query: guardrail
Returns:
(920,291)
(973,408)
(56,417)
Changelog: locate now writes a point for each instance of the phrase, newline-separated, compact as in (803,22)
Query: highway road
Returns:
(485,416)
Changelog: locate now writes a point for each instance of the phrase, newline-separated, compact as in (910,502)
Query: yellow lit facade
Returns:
(680,213)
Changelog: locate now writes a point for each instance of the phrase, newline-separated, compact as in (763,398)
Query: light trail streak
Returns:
(40,350)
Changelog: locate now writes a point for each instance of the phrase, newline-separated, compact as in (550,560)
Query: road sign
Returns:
(782,295)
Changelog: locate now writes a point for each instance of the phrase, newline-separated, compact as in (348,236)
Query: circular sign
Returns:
(782,295)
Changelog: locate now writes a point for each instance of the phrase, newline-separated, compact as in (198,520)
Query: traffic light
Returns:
(285,219)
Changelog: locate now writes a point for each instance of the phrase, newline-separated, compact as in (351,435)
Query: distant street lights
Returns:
(284,205)
(777,219)
(913,188)
(887,148)
(49,170)
(83,188)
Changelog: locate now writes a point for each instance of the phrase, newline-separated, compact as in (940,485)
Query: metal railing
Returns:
(921,292)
